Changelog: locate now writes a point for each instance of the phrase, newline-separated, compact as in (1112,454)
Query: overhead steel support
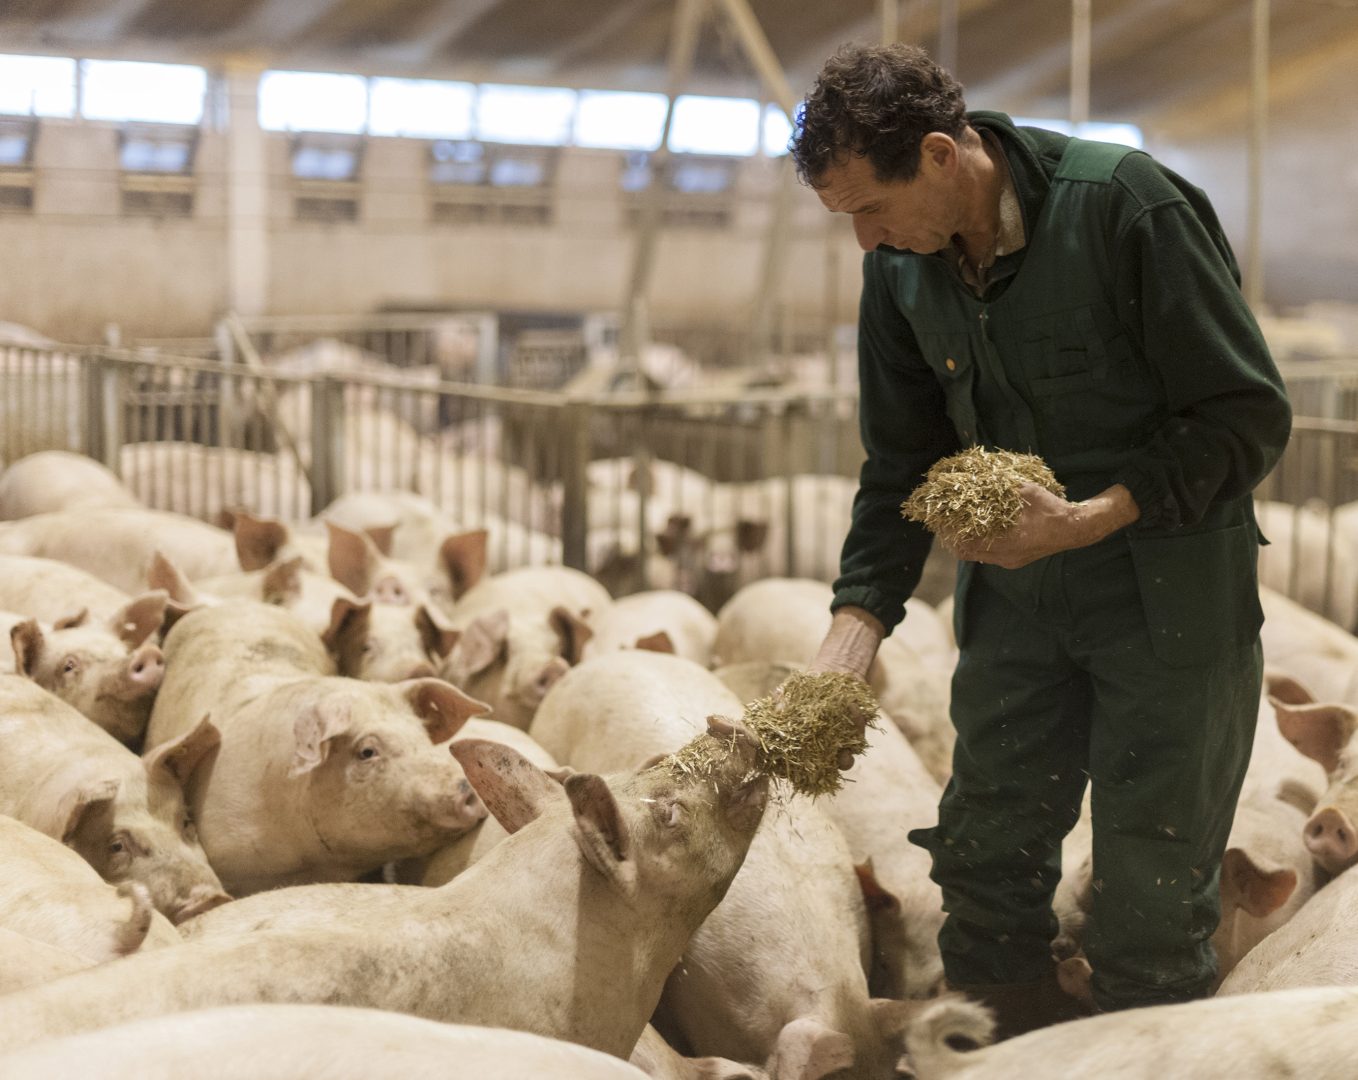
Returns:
(1081,31)
(947,35)
(1254,208)
(247,193)
(891,22)
(442,26)
(760,53)
(683,45)
(279,23)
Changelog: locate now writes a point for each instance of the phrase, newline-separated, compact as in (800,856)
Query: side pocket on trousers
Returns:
(1199,591)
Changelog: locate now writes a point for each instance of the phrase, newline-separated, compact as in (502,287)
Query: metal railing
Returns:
(699,489)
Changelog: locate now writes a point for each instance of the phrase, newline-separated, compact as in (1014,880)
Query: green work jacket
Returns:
(1116,344)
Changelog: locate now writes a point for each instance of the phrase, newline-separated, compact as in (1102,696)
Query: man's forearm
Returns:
(851,643)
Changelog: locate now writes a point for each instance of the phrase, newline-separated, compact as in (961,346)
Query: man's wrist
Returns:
(851,643)
(1102,515)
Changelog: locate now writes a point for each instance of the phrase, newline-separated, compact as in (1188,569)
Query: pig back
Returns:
(219,658)
(615,711)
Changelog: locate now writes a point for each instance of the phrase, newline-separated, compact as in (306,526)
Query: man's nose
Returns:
(869,236)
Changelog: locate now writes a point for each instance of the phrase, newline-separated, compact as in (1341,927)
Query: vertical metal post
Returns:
(1254,241)
(327,442)
(574,484)
(111,403)
(683,45)
(947,35)
(890,13)
(247,196)
(92,413)
(1081,19)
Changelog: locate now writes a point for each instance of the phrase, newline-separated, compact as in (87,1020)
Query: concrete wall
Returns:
(77,263)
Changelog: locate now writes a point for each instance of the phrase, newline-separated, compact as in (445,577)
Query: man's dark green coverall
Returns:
(1116,344)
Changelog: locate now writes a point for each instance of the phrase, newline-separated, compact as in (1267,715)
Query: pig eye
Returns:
(369,647)
(366,752)
(70,665)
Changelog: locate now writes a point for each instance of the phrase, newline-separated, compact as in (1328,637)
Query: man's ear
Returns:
(940,151)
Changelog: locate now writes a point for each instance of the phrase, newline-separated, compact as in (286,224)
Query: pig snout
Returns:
(460,809)
(146,667)
(1331,839)
(201,898)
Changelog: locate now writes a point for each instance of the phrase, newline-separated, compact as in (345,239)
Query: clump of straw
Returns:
(800,733)
(974,495)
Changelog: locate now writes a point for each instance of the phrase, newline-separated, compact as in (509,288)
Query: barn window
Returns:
(525,114)
(776,132)
(613,120)
(127,90)
(421,108)
(715,125)
(313,101)
(37,85)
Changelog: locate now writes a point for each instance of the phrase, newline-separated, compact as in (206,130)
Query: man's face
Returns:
(919,215)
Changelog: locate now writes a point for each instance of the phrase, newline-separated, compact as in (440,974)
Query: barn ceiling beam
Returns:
(278,24)
(435,33)
(610,26)
(109,22)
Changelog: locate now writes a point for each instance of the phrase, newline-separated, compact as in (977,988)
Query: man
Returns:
(1030,292)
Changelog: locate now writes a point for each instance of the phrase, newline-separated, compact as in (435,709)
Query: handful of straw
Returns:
(800,733)
(974,495)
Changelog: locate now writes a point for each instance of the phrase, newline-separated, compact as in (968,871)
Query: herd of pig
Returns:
(332,799)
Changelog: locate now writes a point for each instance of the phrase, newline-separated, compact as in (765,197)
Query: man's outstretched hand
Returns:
(1049,524)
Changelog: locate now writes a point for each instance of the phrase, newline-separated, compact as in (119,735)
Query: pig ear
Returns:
(482,643)
(1258,889)
(808,1050)
(1297,793)
(672,537)
(180,756)
(751,535)
(887,920)
(657,642)
(382,537)
(1318,731)
(463,558)
(1073,976)
(572,631)
(514,790)
(891,1015)
(283,582)
(601,830)
(139,618)
(80,804)
(163,574)
(349,629)
(437,638)
(27,639)
(313,730)
(442,706)
(1286,689)
(76,618)
(354,559)
(258,540)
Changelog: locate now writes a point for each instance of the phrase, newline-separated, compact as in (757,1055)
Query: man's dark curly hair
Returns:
(878,101)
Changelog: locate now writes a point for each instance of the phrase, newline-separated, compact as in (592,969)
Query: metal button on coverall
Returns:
(1133,663)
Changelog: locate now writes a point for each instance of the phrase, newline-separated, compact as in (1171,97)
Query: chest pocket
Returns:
(952,357)
(1087,387)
